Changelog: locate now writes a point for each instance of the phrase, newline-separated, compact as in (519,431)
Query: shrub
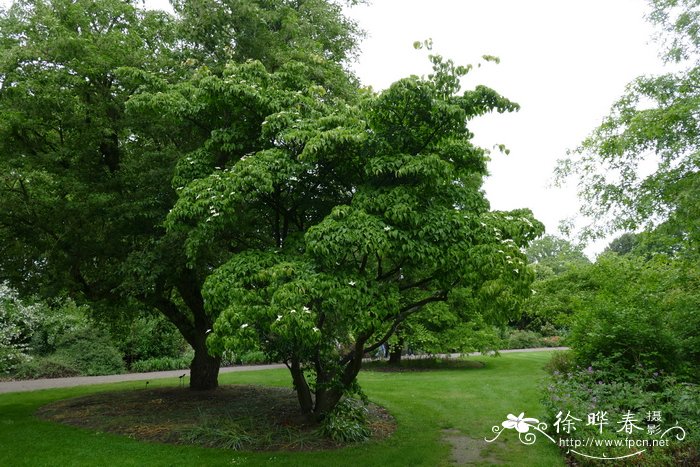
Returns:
(518,339)
(54,323)
(347,422)
(561,362)
(625,319)
(253,357)
(91,351)
(17,321)
(610,387)
(46,367)
(152,337)
(162,364)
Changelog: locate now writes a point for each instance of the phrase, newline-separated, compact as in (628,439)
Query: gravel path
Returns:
(37,384)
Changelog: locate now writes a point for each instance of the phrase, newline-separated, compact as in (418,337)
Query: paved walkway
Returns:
(37,384)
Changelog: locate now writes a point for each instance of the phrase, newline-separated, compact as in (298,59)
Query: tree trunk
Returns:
(204,370)
(302,388)
(326,400)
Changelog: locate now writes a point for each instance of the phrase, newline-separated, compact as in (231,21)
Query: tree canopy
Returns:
(86,184)
(350,219)
(654,123)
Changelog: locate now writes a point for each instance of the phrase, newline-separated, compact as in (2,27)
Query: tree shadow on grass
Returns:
(423,364)
(239,417)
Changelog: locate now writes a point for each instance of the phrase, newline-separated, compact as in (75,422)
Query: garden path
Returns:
(38,384)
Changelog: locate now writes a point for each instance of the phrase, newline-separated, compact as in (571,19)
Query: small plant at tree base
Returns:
(223,434)
(347,422)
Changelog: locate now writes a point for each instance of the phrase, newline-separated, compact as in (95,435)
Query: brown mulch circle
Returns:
(245,417)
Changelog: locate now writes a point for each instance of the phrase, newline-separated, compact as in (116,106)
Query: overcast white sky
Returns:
(564,62)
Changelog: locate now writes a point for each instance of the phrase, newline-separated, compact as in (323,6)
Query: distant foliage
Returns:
(520,339)
(638,312)
(54,323)
(152,337)
(162,364)
(17,322)
(92,352)
(52,366)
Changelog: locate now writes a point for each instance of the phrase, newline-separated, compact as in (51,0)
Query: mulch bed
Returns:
(246,417)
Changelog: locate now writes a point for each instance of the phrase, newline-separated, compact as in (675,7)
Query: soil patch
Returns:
(245,417)
(467,450)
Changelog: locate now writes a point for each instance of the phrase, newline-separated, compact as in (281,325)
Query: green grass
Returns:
(467,402)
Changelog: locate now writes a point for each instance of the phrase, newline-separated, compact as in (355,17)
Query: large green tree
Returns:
(86,185)
(352,218)
(654,124)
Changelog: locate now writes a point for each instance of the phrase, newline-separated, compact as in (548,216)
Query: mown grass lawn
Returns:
(429,406)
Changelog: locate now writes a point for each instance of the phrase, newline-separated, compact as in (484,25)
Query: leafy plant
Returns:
(91,351)
(162,363)
(17,322)
(347,422)
(607,386)
(51,366)
(151,337)
(220,433)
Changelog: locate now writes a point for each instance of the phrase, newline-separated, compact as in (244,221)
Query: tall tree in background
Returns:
(85,186)
(655,121)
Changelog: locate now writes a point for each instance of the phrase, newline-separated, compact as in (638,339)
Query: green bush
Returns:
(162,364)
(56,322)
(52,366)
(152,337)
(91,351)
(347,422)
(561,362)
(519,339)
(626,315)
(17,321)
(610,387)
(254,357)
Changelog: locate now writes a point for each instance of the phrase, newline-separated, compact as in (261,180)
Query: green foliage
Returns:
(636,312)
(272,32)
(616,389)
(152,337)
(521,339)
(445,328)
(347,423)
(346,219)
(50,366)
(91,351)
(17,323)
(561,362)
(553,255)
(561,275)
(55,323)
(162,364)
(624,244)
